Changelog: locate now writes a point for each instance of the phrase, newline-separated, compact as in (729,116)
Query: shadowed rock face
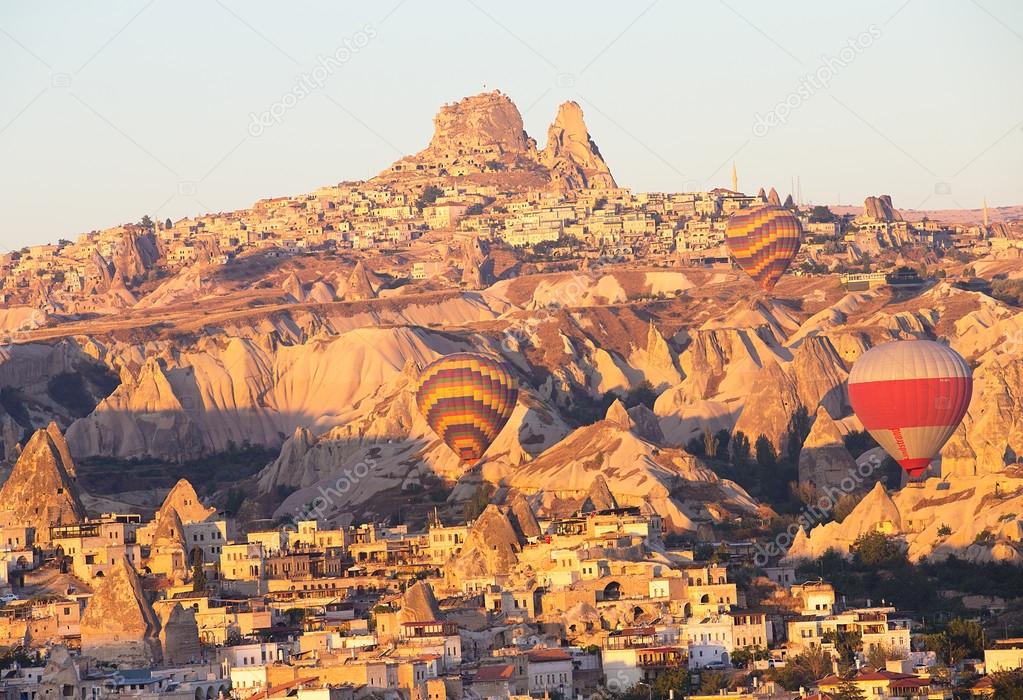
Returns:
(41,490)
(119,625)
(824,459)
(179,635)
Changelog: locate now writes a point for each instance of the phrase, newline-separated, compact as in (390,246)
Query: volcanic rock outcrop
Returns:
(491,547)
(880,209)
(419,604)
(483,135)
(119,625)
(179,635)
(571,155)
(636,472)
(824,461)
(971,517)
(42,491)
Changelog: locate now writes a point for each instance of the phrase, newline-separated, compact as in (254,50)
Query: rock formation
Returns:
(491,547)
(119,625)
(482,136)
(523,518)
(971,517)
(824,461)
(168,555)
(184,501)
(41,490)
(419,604)
(362,284)
(599,497)
(680,488)
(179,635)
(773,399)
(773,198)
(134,255)
(880,209)
(571,155)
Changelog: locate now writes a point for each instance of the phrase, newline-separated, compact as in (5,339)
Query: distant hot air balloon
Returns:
(911,395)
(763,241)
(467,398)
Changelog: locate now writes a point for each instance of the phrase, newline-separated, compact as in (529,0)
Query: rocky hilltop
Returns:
(482,137)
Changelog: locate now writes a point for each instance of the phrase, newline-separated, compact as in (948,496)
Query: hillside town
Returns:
(503,604)
(219,479)
(466,191)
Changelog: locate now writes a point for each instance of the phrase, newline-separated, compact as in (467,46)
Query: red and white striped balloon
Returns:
(911,396)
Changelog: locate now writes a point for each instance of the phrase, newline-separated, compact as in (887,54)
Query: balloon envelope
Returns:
(467,398)
(763,241)
(911,396)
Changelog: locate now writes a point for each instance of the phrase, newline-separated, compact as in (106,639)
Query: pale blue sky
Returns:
(116,109)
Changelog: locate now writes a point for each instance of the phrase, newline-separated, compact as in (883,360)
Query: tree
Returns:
(642,393)
(767,456)
(198,571)
(477,503)
(740,450)
(147,223)
(710,444)
(821,215)
(168,223)
(723,438)
(697,445)
(1008,685)
(847,643)
(711,682)
(799,428)
(876,550)
(847,690)
(962,639)
(880,654)
(969,635)
(676,679)
(429,196)
(804,669)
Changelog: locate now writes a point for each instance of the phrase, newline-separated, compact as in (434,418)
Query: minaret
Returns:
(985,213)
(735,179)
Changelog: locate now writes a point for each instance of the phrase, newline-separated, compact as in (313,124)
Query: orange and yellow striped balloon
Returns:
(763,241)
(467,398)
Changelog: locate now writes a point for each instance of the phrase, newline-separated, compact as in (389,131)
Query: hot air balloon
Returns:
(763,241)
(911,395)
(467,398)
